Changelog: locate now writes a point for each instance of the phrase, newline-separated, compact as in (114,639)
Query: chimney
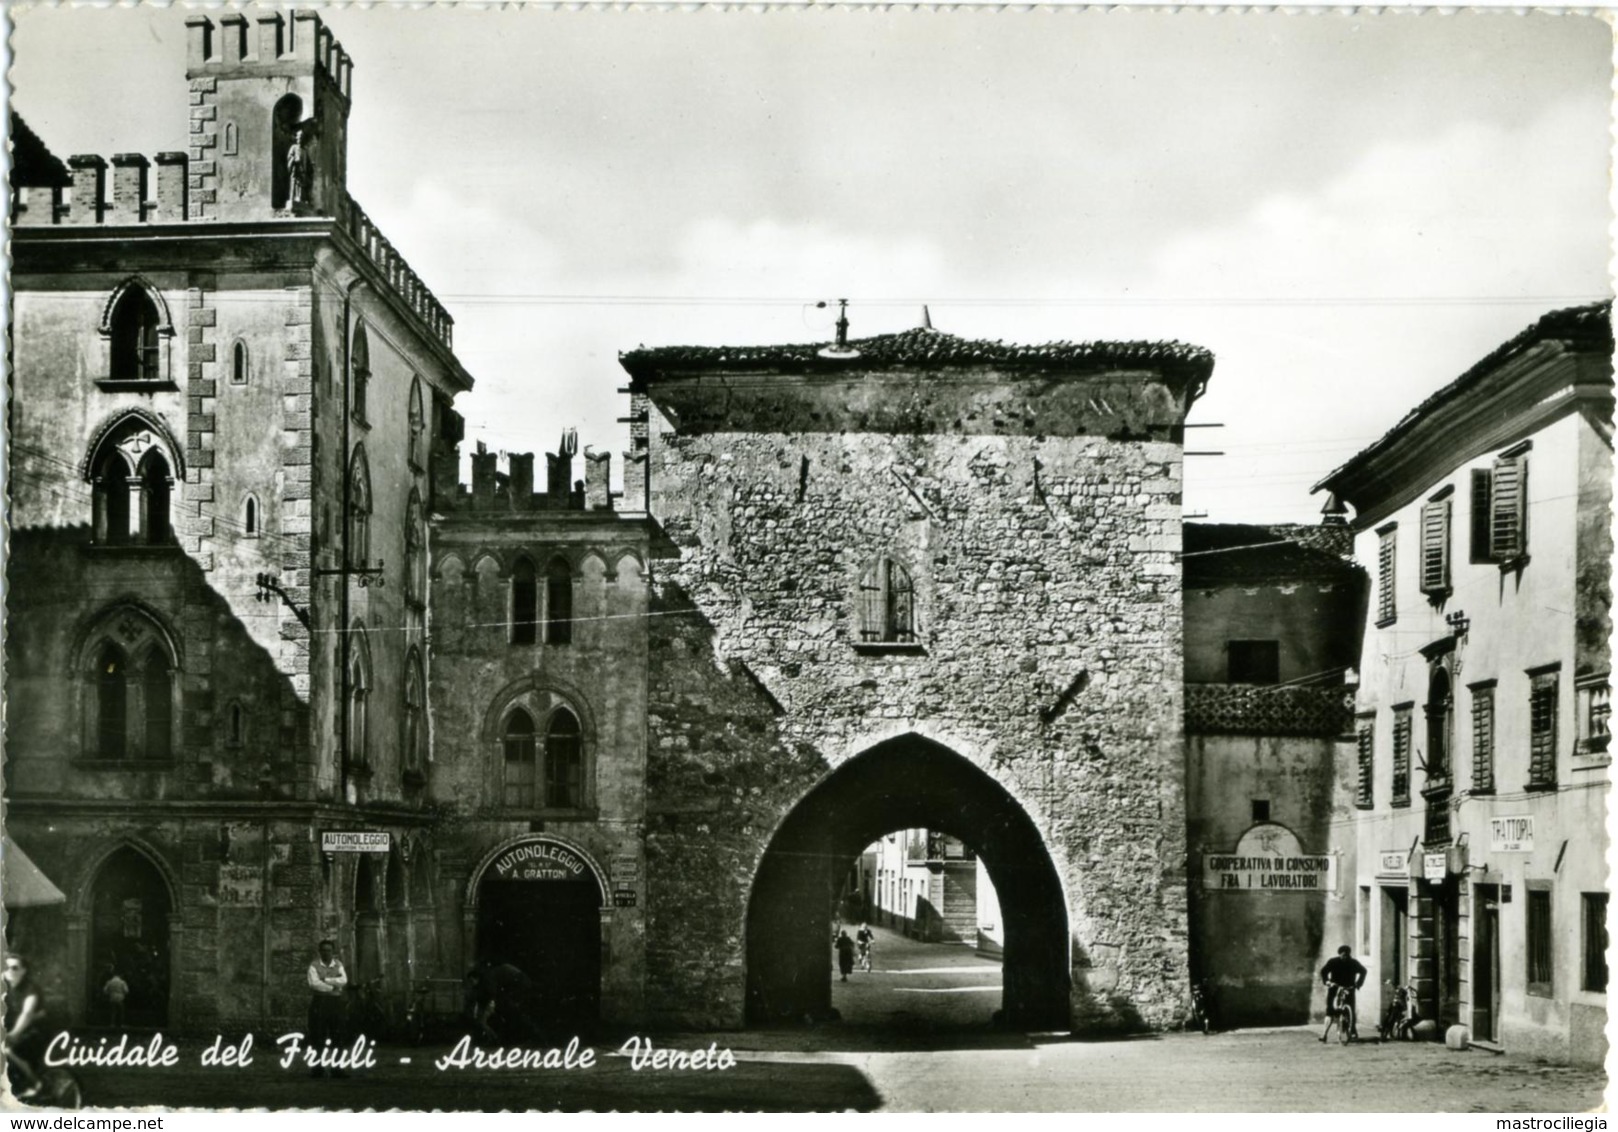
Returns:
(89,177)
(597,480)
(235,46)
(199,45)
(171,170)
(128,188)
(483,476)
(522,480)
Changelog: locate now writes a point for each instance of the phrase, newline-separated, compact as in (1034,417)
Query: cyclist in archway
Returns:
(1343,975)
(865,937)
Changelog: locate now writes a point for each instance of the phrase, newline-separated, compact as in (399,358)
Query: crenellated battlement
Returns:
(513,489)
(267,41)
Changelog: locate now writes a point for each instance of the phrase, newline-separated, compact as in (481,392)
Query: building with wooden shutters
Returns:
(1481,736)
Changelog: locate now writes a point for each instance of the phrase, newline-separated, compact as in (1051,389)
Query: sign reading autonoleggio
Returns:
(539,860)
(1268,858)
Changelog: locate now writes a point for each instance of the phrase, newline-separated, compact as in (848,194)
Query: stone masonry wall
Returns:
(1048,613)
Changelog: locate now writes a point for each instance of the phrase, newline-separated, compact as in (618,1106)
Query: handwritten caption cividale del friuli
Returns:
(291,1051)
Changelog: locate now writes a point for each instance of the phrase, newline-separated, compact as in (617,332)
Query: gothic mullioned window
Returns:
(413,740)
(524,603)
(132,475)
(359,510)
(558,603)
(542,754)
(129,690)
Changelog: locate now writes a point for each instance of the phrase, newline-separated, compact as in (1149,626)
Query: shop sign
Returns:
(1512,834)
(1393,863)
(241,886)
(539,860)
(1269,859)
(623,898)
(333,841)
(1435,866)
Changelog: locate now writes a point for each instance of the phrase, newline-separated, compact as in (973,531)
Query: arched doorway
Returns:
(367,921)
(538,908)
(129,934)
(904,783)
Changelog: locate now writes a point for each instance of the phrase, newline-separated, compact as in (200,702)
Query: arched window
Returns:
(360,367)
(414,737)
(111,704)
(415,550)
(558,603)
(524,603)
(518,741)
(134,334)
(110,481)
(418,424)
(156,484)
(232,140)
(235,725)
(564,762)
(129,689)
(283,132)
(887,604)
(359,695)
(250,517)
(359,510)
(238,363)
(1440,708)
(158,699)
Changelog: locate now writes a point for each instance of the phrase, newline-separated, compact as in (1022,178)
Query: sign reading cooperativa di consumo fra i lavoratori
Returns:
(337,841)
(1223,872)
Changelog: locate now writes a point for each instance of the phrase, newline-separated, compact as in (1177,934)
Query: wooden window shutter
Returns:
(1482,513)
(1435,546)
(871,603)
(1385,604)
(1506,527)
(1363,797)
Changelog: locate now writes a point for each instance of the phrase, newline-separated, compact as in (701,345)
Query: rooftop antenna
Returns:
(841,349)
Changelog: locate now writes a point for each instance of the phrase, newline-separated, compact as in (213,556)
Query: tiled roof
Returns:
(924,346)
(1218,553)
(1585,329)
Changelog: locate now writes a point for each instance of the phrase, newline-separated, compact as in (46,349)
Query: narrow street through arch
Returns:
(906,783)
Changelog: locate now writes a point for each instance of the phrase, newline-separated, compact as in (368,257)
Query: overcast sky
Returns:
(1348,210)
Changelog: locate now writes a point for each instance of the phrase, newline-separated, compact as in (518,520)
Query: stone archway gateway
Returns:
(535,904)
(908,782)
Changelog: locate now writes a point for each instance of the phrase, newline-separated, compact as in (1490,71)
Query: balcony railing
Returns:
(1257,709)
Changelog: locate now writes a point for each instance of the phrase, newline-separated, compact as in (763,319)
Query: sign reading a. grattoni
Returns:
(356,841)
(539,860)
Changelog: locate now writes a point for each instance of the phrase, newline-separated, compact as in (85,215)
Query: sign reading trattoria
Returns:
(1268,858)
(1512,834)
(334,841)
(539,860)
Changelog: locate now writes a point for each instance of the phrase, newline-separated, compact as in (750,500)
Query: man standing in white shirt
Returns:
(328,986)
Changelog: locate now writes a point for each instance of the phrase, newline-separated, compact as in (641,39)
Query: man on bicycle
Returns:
(1343,975)
(25,1028)
(865,937)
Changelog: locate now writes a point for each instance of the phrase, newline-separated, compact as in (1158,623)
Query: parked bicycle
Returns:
(1201,1006)
(1400,1016)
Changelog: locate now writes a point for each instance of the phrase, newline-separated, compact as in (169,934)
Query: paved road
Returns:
(914,1037)
(914,984)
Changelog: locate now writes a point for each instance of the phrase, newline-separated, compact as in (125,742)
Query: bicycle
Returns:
(1201,1007)
(1340,1009)
(58,1089)
(865,958)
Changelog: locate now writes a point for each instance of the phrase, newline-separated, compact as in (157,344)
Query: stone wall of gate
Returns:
(1047,651)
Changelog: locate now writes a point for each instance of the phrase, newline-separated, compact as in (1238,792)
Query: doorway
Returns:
(129,935)
(1486,963)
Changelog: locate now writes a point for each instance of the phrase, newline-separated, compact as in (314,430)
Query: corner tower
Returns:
(269,116)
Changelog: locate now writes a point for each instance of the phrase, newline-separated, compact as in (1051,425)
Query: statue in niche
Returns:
(301,163)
